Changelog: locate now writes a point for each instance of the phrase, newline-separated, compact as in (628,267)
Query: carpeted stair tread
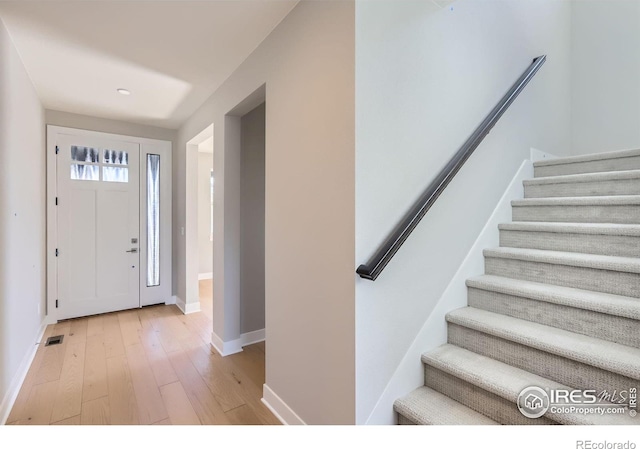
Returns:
(584,177)
(583,209)
(588,158)
(505,381)
(623,306)
(558,305)
(585,182)
(607,239)
(610,356)
(427,406)
(612,200)
(627,230)
(595,261)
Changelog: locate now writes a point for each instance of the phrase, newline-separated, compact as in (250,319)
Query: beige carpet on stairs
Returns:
(557,308)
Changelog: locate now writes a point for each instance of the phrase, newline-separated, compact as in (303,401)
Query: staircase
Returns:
(558,306)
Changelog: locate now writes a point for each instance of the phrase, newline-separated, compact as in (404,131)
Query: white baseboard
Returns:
(172,300)
(537,155)
(203,276)
(279,408)
(225,348)
(180,303)
(187,307)
(192,307)
(409,374)
(250,338)
(15,385)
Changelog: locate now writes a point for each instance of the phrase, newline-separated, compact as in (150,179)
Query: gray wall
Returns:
(205,245)
(307,66)
(22,218)
(605,77)
(252,180)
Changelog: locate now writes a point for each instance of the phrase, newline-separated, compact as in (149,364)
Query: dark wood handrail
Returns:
(374,266)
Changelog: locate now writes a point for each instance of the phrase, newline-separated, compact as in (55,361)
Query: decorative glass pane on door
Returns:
(115,174)
(85,154)
(116,157)
(83,172)
(153,220)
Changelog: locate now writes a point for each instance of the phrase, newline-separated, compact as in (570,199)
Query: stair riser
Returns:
(560,369)
(478,399)
(622,214)
(606,165)
(404,421)
(621,187)
(594,324)
(605,281)
(606,245)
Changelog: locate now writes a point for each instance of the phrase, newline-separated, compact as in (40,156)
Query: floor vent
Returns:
(54,340)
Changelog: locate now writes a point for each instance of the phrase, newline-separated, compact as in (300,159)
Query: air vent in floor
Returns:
(54,340)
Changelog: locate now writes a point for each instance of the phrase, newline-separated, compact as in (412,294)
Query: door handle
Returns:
(133,250)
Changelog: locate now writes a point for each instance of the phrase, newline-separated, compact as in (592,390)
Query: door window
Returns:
(153,220)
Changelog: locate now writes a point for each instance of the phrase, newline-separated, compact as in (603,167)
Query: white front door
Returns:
(98,225)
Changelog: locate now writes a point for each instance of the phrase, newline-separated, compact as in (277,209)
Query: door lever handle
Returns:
(133,250)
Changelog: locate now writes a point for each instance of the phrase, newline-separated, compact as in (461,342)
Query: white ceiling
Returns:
(172,55)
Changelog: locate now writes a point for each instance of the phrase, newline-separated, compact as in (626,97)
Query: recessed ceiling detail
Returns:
(172,54)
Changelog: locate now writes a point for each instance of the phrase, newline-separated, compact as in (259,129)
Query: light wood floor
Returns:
(144,366)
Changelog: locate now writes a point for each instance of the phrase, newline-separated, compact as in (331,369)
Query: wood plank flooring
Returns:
(146,366)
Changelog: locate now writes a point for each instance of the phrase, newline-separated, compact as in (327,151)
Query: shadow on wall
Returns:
(252,221)
(4,192)
(22,217)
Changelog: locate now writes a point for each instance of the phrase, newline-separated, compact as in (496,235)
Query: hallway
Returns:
(144,366)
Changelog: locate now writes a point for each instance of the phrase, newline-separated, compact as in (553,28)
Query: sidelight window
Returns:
(153,220)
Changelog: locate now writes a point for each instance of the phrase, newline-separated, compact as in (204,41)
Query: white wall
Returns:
(425,78)
(252,175)
(70,120)
(22,219)
(307,66)
(605,78)
(205,245)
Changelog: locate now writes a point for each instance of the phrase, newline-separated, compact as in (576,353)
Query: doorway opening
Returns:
(199,224)
(205,225)
(252,225)
(239,300)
